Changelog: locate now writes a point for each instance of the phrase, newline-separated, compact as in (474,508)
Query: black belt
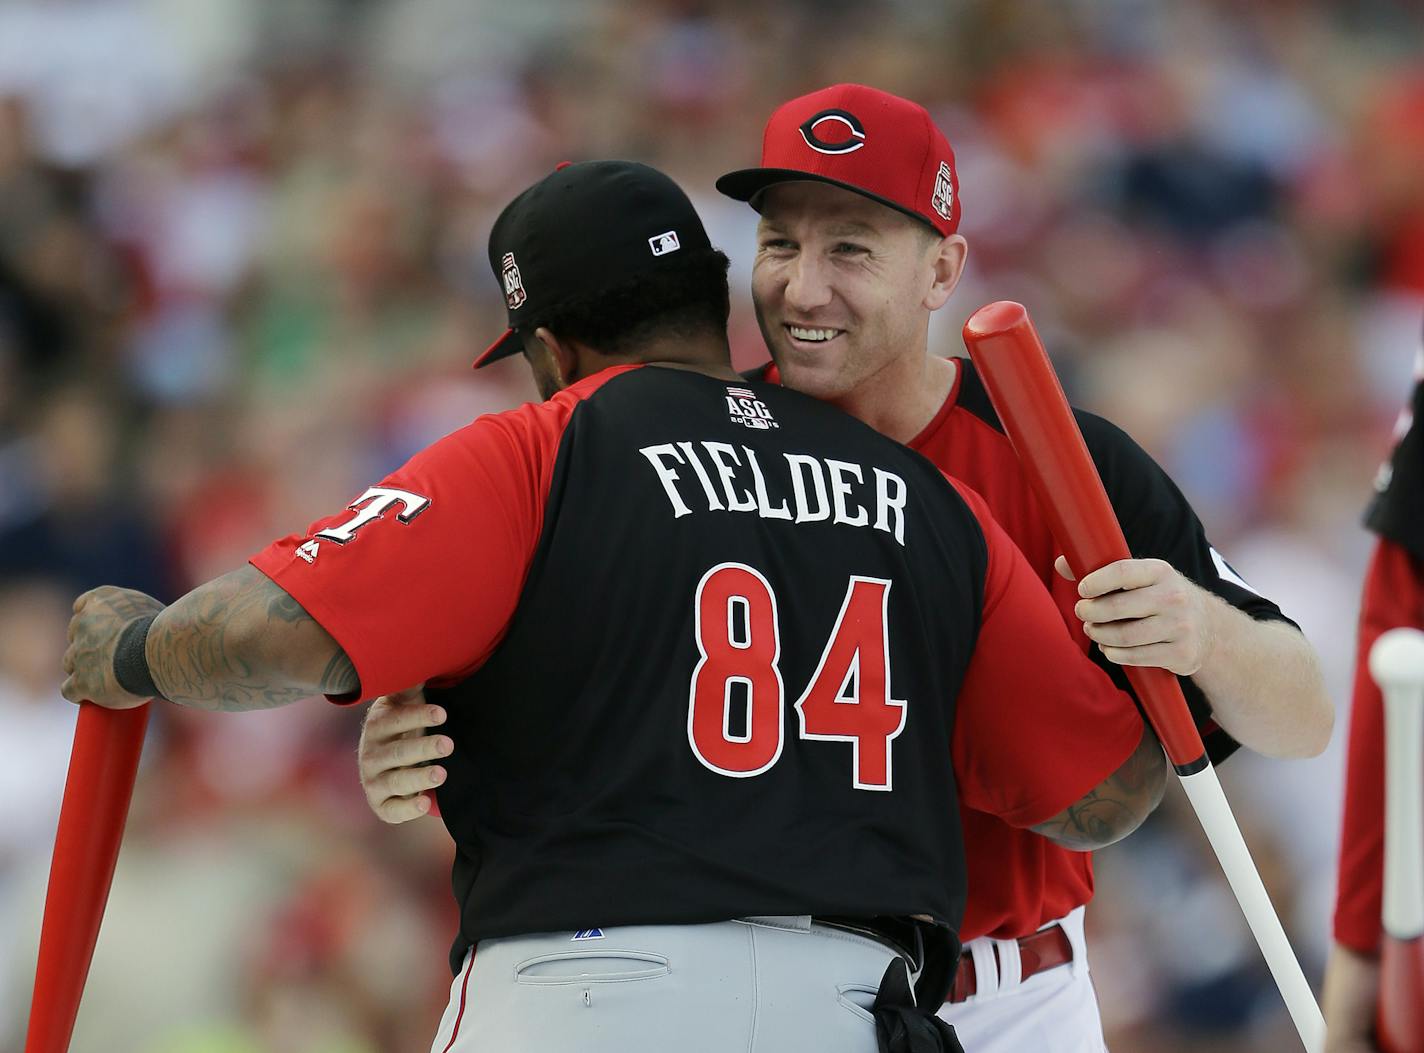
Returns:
(901,935)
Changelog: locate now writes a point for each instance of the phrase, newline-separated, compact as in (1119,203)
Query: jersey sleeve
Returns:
(1066,728)
(1393,597)
(1397,511)
(418,577)
(1159,523)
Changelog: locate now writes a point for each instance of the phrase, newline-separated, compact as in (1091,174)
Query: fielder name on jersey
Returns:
(719,477)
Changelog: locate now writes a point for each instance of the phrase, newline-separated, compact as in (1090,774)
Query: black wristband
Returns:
(131,660)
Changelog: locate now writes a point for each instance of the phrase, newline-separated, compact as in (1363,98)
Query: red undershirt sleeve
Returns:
(418,578)
(1037,724)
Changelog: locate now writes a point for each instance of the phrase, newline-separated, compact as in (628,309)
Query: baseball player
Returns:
(844,307)
(705,646)
(1393,597)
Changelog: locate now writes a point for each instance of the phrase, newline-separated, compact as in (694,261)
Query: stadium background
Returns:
(242,274)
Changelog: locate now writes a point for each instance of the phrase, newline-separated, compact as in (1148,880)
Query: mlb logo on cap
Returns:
(662,244)
(868,141)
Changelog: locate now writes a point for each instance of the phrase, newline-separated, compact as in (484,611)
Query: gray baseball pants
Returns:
(757,985)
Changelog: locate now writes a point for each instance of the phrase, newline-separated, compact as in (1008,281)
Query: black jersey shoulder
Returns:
(1156,518)
(757,374)
(1397,510)
(1157,521)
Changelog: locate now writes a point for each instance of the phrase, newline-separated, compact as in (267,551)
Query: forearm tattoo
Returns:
(241,642)
(1116,806)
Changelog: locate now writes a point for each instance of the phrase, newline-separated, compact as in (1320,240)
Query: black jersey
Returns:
(708,651)
(727,687)
(1397,510)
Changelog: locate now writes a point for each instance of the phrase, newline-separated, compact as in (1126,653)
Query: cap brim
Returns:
(506,345)
(746,183)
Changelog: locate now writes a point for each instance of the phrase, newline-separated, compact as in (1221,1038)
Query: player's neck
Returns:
(708,354)
(901,399)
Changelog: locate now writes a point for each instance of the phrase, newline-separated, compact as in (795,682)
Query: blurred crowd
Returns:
(243,274)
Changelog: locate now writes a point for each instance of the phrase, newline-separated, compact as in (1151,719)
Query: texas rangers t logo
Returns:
(373,505)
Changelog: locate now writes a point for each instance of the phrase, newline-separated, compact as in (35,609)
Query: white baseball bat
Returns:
(1030,402)
(1397,665)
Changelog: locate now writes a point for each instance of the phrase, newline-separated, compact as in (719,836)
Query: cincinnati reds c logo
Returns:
(832,122)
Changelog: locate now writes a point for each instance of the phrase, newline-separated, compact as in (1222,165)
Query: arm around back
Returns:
(1043,739)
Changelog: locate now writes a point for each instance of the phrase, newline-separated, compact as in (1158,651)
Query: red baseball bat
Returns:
(1397,665)
(102,767)
(1034,411)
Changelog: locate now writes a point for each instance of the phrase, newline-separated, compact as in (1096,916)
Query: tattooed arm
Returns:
(1116,806)
(238,642)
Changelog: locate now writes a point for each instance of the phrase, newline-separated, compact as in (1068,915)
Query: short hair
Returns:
(929,235)
(688,297)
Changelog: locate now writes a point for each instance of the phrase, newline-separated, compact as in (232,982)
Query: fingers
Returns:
(395,755)
(388,719)
(1124,574)
(397,810)
(1133,603)
(1140,632)
(1162,656)
(403,782)
(1061,565)
(404,753)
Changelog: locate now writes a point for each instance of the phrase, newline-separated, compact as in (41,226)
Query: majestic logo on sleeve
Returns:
(748,410)
(943,199)
(514,294)
(369,507)
(821,130)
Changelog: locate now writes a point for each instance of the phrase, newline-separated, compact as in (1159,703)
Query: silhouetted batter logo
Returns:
(662,244)
(834,132)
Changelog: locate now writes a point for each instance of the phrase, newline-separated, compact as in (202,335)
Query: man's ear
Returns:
(948,263)
(560,358)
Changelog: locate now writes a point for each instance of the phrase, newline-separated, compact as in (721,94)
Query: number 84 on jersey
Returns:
(847,700)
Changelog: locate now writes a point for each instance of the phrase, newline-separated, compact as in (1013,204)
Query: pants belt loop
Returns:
(1072,924)
(1010,964)
(986,969)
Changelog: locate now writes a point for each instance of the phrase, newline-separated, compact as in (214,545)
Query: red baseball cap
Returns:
(862,139)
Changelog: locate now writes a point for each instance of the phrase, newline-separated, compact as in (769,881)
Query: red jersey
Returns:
(1393,597)
(1019,881)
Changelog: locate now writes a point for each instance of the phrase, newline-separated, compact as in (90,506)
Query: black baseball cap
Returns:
(581,229)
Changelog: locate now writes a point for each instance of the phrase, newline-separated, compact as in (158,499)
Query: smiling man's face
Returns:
(840,285)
